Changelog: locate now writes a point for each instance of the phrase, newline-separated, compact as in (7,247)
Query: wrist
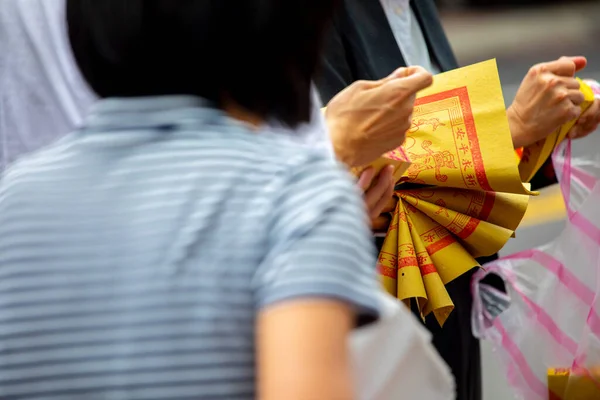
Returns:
(518,131)
(344,151)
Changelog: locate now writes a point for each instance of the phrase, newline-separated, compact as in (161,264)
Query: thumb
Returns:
(580,62)
(399,73)
(417,78)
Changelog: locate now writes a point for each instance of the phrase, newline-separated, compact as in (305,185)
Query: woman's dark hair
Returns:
(259,54)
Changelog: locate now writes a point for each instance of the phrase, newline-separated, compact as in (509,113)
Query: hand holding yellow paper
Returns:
(535,156)
(461,197)
(396,158)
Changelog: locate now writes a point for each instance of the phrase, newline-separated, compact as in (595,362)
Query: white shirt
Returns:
(43,96)
(408,34)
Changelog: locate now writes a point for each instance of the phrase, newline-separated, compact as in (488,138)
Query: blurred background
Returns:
(519,34)
(500,3)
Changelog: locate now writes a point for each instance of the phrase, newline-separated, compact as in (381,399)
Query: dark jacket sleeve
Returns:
(544,177)
(335,73)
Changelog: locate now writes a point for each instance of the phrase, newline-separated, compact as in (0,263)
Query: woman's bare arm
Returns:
(302,351)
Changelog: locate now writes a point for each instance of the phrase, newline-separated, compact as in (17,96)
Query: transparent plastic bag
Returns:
(546,327)
(394,358)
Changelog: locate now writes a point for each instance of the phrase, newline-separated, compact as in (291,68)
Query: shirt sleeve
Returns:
(320,243)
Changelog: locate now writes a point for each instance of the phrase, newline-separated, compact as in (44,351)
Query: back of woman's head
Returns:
(259,54)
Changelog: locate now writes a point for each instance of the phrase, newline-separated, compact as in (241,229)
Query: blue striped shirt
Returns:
(136,252)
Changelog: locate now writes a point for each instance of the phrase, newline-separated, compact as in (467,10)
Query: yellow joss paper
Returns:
(535,156)
(573,384)
(480,237)
(407,269)
(398,260)
(462,196)
(460,135)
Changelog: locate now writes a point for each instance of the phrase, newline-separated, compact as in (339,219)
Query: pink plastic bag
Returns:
(549,316)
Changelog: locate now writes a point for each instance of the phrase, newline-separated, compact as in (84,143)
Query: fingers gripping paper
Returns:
(535,156)
(461,197)
(396,158)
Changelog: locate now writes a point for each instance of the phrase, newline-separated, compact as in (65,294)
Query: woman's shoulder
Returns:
(37,159)
(277,151)
(307,162)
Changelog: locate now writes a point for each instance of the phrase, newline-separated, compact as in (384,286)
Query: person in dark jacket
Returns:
(372,38)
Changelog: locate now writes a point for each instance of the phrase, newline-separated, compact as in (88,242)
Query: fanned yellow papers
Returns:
(462,196)
(535,156)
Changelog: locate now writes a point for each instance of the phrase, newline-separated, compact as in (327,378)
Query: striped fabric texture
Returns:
(136,252)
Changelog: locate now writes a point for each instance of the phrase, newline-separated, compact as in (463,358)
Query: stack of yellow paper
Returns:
(462,196)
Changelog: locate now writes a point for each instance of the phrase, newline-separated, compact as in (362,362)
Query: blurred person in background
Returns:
(372,38)
(43,97)
(181,243)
